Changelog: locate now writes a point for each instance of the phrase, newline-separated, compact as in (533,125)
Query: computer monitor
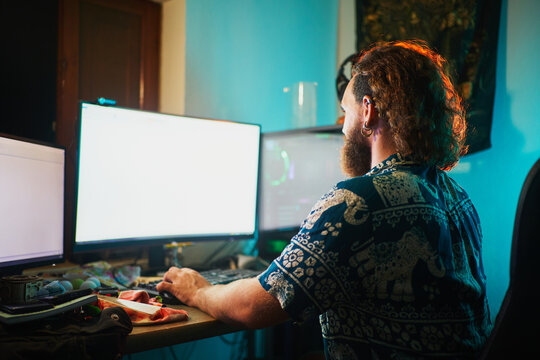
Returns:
(31,204)
(297,168)
(150,178)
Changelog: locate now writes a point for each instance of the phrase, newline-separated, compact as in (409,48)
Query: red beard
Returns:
(356,154)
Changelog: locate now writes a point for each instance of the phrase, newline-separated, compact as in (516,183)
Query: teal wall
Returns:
(494,177)
(240,54)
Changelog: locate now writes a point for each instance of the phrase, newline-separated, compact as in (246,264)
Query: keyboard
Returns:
(214,277)
(225,276)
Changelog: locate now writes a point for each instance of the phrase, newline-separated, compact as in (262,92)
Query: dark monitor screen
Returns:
(147,177)
(31,205)
(297,168)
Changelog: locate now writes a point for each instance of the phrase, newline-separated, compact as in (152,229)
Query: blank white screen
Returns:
(31,201)
(145,175)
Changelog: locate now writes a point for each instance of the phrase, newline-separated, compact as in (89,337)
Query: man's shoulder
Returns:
(410,185)
(452,188)
(358,185)
(364,185)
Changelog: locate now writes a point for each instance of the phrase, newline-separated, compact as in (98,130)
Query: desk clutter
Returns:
(89,309)
(143,310)
(28,297)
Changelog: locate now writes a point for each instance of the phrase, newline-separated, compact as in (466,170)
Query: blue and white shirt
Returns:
(391,261)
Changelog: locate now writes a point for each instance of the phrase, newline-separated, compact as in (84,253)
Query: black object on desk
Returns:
(15,318)
(25,308)
(65,297)
(44,302)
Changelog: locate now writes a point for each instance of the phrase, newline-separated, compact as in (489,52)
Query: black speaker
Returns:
(341,79)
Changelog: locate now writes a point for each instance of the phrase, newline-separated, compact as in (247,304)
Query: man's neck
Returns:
(382,147)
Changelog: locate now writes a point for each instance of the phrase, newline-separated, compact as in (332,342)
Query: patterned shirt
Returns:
(391,261)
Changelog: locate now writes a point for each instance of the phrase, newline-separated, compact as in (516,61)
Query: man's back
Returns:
(392,262)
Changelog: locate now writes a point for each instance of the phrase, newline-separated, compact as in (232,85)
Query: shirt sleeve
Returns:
(308,277)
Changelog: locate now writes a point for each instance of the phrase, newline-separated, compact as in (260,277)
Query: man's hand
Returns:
(242,302)
(183,284)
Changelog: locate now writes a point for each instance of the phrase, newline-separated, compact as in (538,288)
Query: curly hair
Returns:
(413,93)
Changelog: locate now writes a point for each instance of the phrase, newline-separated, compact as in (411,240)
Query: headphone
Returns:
(341,80)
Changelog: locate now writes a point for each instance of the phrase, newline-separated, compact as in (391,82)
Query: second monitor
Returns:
(298,167)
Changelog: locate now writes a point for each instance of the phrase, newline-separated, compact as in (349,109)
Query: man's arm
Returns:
(243,302)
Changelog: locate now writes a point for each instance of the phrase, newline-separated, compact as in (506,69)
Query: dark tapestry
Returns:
(465,32)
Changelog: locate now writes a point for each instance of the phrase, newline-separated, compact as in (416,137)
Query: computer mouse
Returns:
(169,299)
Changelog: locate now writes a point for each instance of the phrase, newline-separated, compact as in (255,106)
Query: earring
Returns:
(366,131)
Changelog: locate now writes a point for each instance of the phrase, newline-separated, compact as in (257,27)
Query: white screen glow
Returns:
(32,201)
(146,175)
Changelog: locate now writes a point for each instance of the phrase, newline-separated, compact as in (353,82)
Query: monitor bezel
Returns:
(134,242)
(17,266)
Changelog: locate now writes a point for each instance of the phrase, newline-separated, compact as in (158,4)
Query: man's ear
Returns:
(369,112)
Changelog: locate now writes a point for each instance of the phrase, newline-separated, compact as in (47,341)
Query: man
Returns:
(390,259)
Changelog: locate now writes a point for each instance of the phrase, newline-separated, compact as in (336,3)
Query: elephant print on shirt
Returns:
(397,188)
(387,267)
(355,205)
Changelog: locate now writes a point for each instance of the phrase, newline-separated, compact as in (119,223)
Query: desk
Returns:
(199,326)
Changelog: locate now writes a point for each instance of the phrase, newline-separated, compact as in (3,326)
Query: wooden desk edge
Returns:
(199,326)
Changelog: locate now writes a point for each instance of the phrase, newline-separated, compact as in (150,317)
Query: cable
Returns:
(217,251)
(228,342)
(190,350)
(173,353)
(238,347)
